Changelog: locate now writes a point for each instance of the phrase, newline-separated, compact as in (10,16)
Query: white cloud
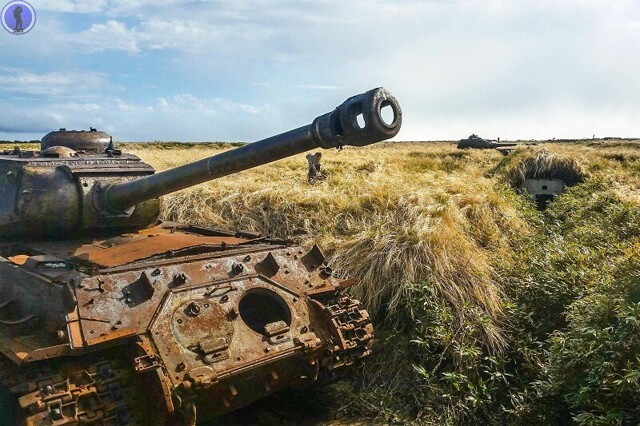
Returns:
(209,106)
(317,87)
(495,66)
(130,107)
(71,6)
(162,34)
(19,82)
(112,35)
(77,107)
(166,118)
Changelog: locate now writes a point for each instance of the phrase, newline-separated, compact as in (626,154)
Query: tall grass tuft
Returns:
(387,219)
(543,164)
(428,241)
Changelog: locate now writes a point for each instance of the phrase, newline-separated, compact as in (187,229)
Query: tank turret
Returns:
(91,141)
(110,316)
(80,184)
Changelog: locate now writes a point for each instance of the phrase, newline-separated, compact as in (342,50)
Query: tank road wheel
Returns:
(99,392)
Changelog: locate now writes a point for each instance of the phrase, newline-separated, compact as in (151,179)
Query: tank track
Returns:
(353,334)
(81,392)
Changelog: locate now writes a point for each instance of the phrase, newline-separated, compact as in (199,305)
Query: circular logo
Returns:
(18,17)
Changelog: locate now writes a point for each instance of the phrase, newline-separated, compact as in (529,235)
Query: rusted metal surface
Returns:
(100,392)
(91,141)
(216,330)
(111,317)
(135,248)
(19,259)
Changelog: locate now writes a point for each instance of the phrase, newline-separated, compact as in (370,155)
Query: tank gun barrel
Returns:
(358,122)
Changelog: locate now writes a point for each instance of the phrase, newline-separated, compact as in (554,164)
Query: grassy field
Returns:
(390,214)
(487,310)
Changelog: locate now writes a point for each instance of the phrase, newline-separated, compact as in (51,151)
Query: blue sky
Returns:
(239,70)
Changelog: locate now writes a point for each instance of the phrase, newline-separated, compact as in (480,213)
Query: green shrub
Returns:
(576,297)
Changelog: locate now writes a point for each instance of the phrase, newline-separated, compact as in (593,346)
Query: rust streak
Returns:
(139,249)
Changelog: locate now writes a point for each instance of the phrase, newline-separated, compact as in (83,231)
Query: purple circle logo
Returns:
(18,17)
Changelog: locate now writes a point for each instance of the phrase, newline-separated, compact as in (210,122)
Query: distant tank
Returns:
(110,316)
(476,142)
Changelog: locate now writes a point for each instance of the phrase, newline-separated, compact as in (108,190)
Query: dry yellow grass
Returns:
(388,215)
(394,213)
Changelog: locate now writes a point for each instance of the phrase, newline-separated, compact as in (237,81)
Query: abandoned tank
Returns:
(476,142)
(110,316)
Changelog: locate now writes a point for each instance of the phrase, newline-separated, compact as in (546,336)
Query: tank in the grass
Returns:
(476,142)
(111,316)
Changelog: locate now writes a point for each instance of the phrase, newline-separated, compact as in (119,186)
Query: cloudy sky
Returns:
(240,70)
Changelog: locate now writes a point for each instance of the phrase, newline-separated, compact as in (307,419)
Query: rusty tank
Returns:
(111,316)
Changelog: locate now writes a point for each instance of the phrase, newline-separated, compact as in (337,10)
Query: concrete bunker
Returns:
(544,191)
(545,175)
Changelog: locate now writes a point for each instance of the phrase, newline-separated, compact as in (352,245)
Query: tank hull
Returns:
(214,320)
